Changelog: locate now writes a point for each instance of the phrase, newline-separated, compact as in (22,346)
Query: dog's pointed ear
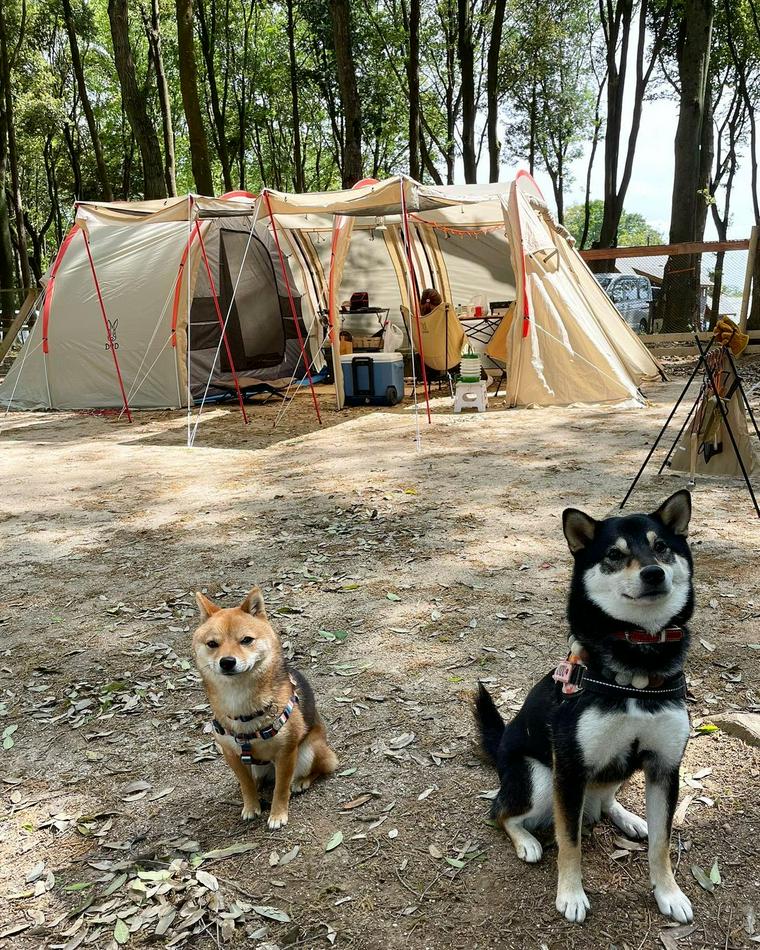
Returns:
(206,606)
(675,512)
(579,528)
(254,603)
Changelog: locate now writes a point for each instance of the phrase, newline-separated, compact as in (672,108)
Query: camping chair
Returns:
(443,337)
(496,349)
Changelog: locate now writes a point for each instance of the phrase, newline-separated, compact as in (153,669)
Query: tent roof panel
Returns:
(383,198)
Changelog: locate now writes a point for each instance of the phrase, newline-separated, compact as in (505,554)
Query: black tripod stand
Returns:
(709,383)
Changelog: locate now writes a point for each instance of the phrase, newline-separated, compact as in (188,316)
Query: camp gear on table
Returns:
(359,301)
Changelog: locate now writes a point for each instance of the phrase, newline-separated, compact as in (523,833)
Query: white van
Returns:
(633,299)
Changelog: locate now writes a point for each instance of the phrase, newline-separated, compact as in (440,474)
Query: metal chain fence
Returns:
(678,289)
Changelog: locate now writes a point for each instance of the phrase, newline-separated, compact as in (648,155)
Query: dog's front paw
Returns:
(674,903)
(250,811)
(573,904)
(277,821)
(529,850)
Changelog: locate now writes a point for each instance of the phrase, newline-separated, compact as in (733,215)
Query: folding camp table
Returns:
(479,332)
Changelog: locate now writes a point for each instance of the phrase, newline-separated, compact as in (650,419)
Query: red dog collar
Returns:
(668,635)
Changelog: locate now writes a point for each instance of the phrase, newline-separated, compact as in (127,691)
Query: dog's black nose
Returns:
(652,576)
(227,664)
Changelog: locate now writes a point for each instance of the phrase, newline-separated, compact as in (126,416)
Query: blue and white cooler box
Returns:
(373,378)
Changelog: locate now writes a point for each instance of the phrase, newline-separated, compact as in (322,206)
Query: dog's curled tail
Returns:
(489,721)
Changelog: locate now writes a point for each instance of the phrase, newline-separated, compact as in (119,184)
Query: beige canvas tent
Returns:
(159,304)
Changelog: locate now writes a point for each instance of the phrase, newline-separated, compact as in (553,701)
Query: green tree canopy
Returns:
(634,230)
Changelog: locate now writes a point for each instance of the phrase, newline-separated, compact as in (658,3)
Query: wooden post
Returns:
(746,295)
(15,328)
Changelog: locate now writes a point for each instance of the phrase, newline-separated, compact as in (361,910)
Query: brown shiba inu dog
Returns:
(265,714)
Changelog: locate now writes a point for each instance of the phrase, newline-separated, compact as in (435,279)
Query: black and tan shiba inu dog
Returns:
(617,705)
(265,714)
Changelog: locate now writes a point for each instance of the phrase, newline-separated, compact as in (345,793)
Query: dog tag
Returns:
(563,674)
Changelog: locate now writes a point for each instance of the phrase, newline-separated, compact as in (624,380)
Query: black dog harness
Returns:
(575,679)
(244,739)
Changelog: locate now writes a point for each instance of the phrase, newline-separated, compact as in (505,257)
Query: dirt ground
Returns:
(397,578)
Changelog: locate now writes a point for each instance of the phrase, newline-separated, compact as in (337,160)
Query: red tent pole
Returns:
(221,320)
(107,325)
(293,308)
(49,290)
(415,298)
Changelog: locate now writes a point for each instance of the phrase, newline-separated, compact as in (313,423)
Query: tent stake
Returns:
(111,345)
(219,317)
(293,307)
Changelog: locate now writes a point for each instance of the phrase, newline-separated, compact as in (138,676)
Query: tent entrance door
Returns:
(255,330)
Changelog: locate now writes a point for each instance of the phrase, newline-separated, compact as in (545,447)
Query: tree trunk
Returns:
(349,93)
(134,102)
(448,21)
(76,63)
(744,75)
(618,31)
(653,30)
(188,80)
(413,77)
(298,168)
(466,52)
(592,156)
(152,23)
(753,319)
(208,46)
(492,90)
(10,132)
(7,256)
(126,170)
(559,190)
(706,156)
(532,131)
(428,163)
(721,221)
(680,298)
